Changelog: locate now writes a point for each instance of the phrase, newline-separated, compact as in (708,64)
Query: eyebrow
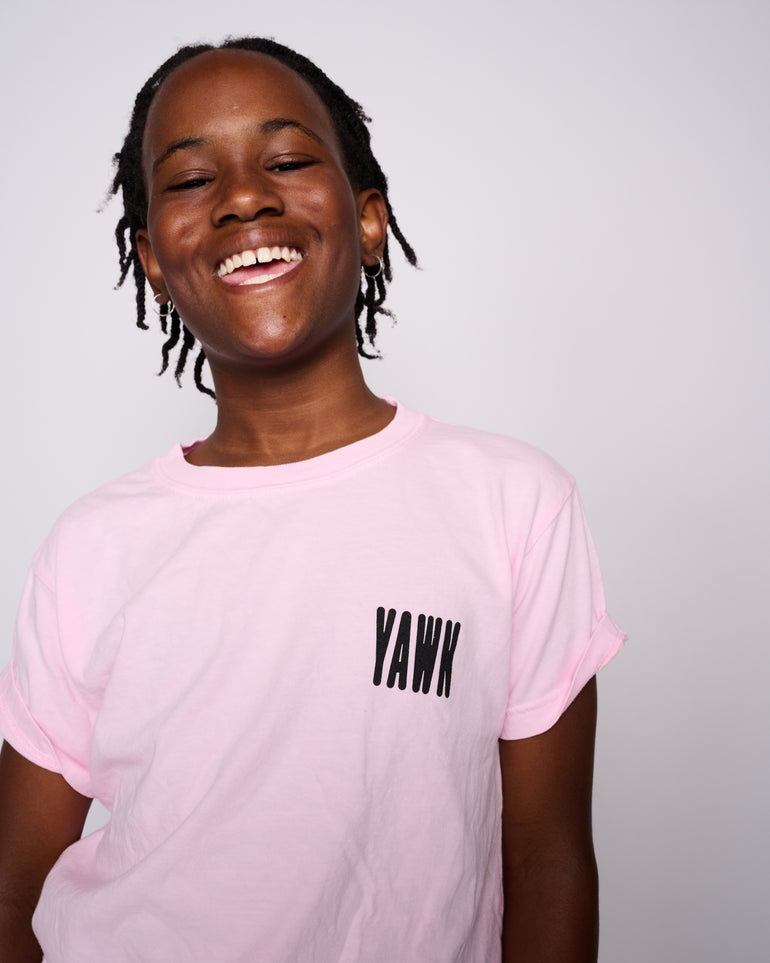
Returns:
(184,143)
(281,123)
(272,126)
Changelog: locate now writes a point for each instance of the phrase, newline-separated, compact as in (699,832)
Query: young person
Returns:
(330,669)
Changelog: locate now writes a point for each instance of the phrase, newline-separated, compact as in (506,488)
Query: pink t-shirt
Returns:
(287,685)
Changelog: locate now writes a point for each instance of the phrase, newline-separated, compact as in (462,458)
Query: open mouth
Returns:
(258,266)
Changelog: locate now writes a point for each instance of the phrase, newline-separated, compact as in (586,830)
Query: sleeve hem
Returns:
(19,728)
(535,717)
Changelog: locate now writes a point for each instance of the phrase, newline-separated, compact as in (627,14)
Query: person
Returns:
(332,668)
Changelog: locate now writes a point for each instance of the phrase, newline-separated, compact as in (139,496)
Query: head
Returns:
(349,125)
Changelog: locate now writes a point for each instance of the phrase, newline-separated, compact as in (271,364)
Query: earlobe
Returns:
(373,225)
(150,265)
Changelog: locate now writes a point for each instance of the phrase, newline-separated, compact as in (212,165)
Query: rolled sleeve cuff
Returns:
(18,727)
(533,718)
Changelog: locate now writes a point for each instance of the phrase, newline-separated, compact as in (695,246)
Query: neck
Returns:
(273,418)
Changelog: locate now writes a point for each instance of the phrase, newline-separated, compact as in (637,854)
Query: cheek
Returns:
(332,206)
(172,240)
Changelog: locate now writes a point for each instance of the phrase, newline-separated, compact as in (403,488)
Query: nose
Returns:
(245,195)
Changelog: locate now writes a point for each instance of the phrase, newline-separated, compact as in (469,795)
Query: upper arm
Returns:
(550,882)
(547,781)
(40,815)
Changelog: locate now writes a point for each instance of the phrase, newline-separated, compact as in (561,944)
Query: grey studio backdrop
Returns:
(586,186)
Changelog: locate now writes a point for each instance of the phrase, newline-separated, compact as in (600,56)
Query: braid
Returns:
(188,341)
(363,170)
(198,372)
(173,336)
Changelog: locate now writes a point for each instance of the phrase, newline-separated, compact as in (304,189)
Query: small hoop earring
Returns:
(157,305)
(378,272)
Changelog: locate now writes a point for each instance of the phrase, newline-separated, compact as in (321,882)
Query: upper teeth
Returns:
(262,255)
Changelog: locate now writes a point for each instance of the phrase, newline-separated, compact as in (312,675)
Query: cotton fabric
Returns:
(287,685)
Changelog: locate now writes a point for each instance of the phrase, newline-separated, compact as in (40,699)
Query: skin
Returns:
(282,355)
(550,881)
(289,386)
(40,815)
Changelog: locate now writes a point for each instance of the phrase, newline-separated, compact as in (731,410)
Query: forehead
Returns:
(221,87)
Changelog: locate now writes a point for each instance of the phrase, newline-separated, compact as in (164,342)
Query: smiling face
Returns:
(253,229)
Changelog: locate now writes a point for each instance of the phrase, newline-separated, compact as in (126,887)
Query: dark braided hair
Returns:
(363,170)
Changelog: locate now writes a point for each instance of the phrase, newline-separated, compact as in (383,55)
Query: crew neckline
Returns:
(174,468)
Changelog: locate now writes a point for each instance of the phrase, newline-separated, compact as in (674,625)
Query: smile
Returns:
(256,261)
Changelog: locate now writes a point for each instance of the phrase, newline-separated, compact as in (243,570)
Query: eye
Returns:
(190,184)
(290,165)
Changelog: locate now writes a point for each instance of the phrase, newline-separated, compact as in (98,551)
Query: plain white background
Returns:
(586,186)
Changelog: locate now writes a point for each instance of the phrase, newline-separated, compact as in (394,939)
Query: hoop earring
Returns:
(157,305)
(378,272)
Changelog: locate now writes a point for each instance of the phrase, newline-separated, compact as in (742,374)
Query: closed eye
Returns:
(189,184)
(294,165)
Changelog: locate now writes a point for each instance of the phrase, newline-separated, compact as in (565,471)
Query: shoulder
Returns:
(493,480)
(105,516)
(119,494)
(497,459)
(495,449)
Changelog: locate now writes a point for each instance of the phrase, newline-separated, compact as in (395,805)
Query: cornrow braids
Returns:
(361,166)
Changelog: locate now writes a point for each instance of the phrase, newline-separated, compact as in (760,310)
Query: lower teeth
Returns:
(261,280)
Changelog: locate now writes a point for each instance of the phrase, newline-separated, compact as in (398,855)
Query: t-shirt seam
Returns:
(365,462)
(66,678)
(547,699)
(17,732)
(39,576)
(552,520)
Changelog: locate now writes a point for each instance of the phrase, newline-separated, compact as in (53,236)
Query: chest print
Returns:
(423,649)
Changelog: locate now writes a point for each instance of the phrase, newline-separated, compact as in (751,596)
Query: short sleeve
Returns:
(41,713)
(561,634)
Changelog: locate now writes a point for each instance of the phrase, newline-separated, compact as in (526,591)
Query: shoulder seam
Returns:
(552,520)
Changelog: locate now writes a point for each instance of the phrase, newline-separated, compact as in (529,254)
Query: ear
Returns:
(150,265)
(373,225)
